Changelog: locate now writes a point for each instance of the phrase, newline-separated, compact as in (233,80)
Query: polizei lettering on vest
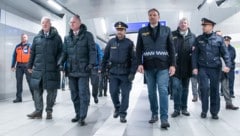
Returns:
(153,53)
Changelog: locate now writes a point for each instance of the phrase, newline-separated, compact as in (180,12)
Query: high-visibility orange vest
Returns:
(23,54)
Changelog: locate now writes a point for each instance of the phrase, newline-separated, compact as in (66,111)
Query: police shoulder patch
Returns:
(201,41)
(174,37)
(114,47)
(145,33)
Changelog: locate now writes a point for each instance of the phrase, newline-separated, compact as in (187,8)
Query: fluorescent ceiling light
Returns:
(54,4)
(103,23)
(209,1)
(180,15)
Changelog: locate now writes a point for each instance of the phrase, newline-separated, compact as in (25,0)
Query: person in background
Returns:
(103,81)
(232,54)
(156,59)
(21,55)
(225,81)
(95,72)
(45,53)
(225,88)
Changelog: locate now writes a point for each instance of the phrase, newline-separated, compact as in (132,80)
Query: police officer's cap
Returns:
(227,38)
(206,21)
(120,25)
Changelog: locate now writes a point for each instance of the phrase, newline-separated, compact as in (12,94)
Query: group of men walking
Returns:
(162,55)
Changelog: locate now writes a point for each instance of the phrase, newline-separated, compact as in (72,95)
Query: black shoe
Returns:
(82,122)
(175,114)
(75,119)
(100,95)
(231,107)
(35,115)
(49,115)
(185,112)
(203,115)
(17,100)
(195,99)
(105,94)
(165,125)
(215,117)
(232,96)
(123,120)
(96,100)
(115,114)
(153,119)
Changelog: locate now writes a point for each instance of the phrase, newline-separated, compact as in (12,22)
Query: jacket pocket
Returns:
(36,78)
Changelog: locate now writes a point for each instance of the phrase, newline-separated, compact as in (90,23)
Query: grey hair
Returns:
(45,18)
(24,34)
(184,19)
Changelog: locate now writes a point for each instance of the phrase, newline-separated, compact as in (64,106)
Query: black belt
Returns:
(119,65)
(22,63)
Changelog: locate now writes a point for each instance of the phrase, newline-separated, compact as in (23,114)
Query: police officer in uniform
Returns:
(232,54)
(209,47)
(119,52)
(20,59)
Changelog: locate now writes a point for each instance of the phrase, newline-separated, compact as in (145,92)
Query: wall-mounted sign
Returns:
(134,27)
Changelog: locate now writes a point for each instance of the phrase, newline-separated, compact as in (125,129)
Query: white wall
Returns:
(18,22)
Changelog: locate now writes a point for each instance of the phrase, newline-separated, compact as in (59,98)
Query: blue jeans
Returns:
(180,93)
(80,95)
(158,79)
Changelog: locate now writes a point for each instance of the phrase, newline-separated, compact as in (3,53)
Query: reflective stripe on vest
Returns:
(23,54)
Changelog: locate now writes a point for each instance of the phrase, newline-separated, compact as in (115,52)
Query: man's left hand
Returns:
(226,69)
(172,70)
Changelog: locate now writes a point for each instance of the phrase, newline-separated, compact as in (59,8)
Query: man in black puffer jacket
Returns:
(79,52)
(183,40)
(45,53)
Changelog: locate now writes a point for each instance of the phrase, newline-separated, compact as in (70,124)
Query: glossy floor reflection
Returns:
(13,120)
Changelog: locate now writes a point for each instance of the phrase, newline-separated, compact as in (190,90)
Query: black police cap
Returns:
(120,25)
(206,21)
(227,38)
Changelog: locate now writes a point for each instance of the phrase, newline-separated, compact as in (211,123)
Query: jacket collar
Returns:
(154,37)
(82,29)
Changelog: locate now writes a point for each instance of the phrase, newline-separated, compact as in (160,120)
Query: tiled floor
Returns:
(13,120)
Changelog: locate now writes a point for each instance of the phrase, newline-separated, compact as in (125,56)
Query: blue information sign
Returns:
(134,27)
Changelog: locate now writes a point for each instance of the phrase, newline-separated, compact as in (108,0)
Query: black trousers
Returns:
(21,69)
(94,82)
(209,86)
